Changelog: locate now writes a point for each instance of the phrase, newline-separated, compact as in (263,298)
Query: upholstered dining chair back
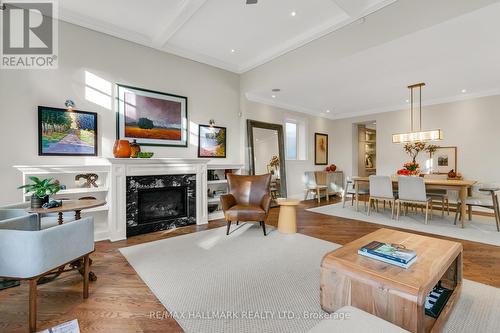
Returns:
(249,190)
(411,188)
(310,179)
(381,187)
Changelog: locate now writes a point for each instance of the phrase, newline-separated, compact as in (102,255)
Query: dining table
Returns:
(462,186)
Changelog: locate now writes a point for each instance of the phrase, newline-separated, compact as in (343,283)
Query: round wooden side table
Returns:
(287,221)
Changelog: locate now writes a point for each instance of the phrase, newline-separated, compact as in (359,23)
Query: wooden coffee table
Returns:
(392,293)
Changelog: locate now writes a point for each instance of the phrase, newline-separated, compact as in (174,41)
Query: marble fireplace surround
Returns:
(123,167)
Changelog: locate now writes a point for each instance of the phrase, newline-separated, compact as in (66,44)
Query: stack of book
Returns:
(389,253)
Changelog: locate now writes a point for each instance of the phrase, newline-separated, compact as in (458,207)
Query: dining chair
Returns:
(350,190)
(412,192)
(381,189)
(483,195)
(315,184)
(32,254)
(438,195)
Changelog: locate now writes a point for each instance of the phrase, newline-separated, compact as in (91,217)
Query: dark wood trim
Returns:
(32,305)
(199,141)
(316,153)
(251,124)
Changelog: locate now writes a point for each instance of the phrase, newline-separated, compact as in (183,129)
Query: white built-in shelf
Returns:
(96,209)
(218,214)
(220,181)
(224,166)
(78,190)
(213,200)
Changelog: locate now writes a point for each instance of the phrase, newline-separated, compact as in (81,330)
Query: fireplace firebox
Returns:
(157,203)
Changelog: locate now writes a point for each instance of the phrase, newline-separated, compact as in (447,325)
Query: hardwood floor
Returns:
(120,302)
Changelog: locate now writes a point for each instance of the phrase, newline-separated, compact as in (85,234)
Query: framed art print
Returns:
(320,149)
(66,133)
(152,118)
(211,141)
(444,159)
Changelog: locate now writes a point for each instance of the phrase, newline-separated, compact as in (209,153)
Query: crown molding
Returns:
(431,102)
(185,12)
(199,57)
(71,17)
(345,115)
(290,107)
(324,29)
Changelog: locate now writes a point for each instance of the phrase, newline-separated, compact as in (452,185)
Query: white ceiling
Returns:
(207,30)
(352,57)
(365,68)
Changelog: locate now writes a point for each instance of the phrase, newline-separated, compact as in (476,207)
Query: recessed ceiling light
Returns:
(407,101)
(273,96)
(327,111)
(293,13)
(464,91)
(233,50)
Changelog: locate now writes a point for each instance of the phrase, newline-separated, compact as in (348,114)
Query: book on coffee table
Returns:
(389,253)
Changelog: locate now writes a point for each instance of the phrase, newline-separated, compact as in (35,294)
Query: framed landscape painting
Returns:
(211,141)
(320,149)
(152,118)
(444,159)
(66,133)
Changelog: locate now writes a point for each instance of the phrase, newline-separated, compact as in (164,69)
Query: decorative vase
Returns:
(135,149)
(122,149)
(37,202)
(333,168)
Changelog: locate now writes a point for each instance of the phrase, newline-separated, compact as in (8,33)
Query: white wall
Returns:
(471,125)
(211,92)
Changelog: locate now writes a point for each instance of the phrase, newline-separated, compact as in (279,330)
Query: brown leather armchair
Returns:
(248,199)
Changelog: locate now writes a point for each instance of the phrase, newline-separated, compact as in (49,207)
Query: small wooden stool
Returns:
(287,221)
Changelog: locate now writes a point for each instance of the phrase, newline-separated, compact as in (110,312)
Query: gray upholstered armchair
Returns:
(18,219)
(27,253)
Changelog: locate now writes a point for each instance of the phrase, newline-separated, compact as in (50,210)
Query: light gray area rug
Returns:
(480,229)
(246,282)
(261,281)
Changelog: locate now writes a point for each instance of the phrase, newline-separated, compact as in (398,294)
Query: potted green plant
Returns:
(40,190)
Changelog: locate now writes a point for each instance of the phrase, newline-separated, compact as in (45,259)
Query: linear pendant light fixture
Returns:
(413,136)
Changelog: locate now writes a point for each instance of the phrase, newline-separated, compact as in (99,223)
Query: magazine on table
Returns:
(390,253)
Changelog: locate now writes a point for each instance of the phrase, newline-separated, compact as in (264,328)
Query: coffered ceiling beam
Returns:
(174,22)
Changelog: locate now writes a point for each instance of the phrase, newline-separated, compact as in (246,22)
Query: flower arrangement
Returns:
(409,169)
(274,162)
(413,149)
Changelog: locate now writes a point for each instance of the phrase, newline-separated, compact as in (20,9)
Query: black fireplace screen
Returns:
(162,204)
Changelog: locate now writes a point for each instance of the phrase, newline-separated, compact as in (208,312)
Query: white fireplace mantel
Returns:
(123,167)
